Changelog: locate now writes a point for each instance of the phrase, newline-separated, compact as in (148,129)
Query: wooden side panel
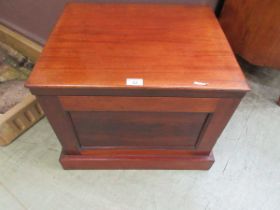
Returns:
(217,123)
(139,104)
(61,123)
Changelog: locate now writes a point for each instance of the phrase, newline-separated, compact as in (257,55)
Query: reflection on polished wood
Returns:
(191,85)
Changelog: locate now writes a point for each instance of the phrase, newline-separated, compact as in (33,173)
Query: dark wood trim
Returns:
(204,129)
(132,148)
(219,7)
(117,152)
(139,92)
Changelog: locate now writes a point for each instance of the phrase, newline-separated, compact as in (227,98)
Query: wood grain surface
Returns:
(139,104)
(191,85)
(130,162)
(138,129)
(99,46)
(252,28)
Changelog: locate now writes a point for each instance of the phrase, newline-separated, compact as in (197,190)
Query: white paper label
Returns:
(200,83)
(134,82)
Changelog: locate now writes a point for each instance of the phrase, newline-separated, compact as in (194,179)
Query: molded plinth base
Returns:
(194,162)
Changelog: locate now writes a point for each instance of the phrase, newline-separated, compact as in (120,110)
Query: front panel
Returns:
(138,129)
(107,122)
(137,132)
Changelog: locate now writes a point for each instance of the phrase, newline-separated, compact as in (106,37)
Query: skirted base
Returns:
(194,162)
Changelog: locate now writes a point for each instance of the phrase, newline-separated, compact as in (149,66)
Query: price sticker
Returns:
(134,82)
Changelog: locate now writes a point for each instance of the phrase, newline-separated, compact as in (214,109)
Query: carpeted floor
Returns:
(246,174)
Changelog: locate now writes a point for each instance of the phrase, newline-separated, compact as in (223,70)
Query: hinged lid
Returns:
(163,47)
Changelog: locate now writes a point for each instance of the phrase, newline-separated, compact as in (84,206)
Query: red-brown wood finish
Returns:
(143,162)
(252,28)
(144,104)
(98,46)
(61,123)
(138,129)
(171,122)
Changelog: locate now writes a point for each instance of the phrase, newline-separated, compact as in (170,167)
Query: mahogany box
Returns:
(137,86)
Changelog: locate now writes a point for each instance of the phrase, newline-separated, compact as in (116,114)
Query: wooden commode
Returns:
(137,86)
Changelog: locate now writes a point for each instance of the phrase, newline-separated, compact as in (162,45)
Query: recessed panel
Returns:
(139,129)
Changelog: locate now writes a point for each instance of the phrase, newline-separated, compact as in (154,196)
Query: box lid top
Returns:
(164,46)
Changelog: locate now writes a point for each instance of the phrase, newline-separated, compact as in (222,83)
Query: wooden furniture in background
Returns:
(253,30)
(188,86)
